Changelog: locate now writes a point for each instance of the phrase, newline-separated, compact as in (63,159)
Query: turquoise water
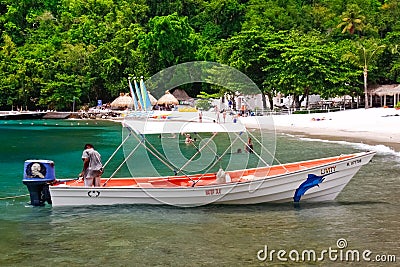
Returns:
(366,213)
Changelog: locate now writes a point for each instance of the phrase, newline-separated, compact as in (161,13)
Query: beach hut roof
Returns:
(387,89)
(181,95)
(168,99)
(123,101)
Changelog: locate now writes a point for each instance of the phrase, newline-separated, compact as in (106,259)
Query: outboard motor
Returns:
(38,174)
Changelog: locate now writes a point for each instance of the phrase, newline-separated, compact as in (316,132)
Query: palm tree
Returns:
(352,20)
(363,59)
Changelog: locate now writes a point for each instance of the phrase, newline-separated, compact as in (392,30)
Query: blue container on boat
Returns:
(38,174)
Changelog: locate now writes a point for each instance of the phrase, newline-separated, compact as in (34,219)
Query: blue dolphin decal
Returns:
(312,180)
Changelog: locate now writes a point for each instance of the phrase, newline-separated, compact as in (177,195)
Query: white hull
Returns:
(274,188)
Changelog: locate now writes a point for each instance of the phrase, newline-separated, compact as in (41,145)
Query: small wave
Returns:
(290,135)
(379,149)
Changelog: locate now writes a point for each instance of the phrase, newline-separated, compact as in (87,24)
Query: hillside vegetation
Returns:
(56,51)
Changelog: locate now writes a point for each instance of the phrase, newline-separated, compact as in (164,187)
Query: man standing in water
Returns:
(92,166)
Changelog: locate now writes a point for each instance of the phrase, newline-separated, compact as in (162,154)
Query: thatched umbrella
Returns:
(168,99)
(181,95)
(123,101)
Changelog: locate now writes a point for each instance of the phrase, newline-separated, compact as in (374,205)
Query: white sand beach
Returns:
(372,126)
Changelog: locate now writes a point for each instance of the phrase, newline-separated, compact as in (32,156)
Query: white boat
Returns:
(312,180)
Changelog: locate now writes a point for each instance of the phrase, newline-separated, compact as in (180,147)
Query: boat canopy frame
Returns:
(142,141)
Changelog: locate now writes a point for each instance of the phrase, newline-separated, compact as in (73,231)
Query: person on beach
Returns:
(224,115)
(216,112)
(92,166)
(249,146)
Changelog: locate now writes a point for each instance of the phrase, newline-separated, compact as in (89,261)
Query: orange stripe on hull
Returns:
(210,178)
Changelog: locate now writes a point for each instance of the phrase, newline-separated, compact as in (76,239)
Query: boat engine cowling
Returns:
(38,174)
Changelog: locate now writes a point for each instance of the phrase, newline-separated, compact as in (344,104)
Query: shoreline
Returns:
(375,126)
(354,137)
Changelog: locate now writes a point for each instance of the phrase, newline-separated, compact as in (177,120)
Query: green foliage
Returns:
(312,111)
(53,51)
(205,95)
(203,104)
(169,41)
(352,20)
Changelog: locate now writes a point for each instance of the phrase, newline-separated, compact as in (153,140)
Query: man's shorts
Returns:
(92,178)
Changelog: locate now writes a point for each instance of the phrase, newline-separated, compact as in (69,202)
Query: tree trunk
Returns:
(304,96)
(300,100)
(264,101)
(271,101)
(366,87)
(296,101)
(233,102)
